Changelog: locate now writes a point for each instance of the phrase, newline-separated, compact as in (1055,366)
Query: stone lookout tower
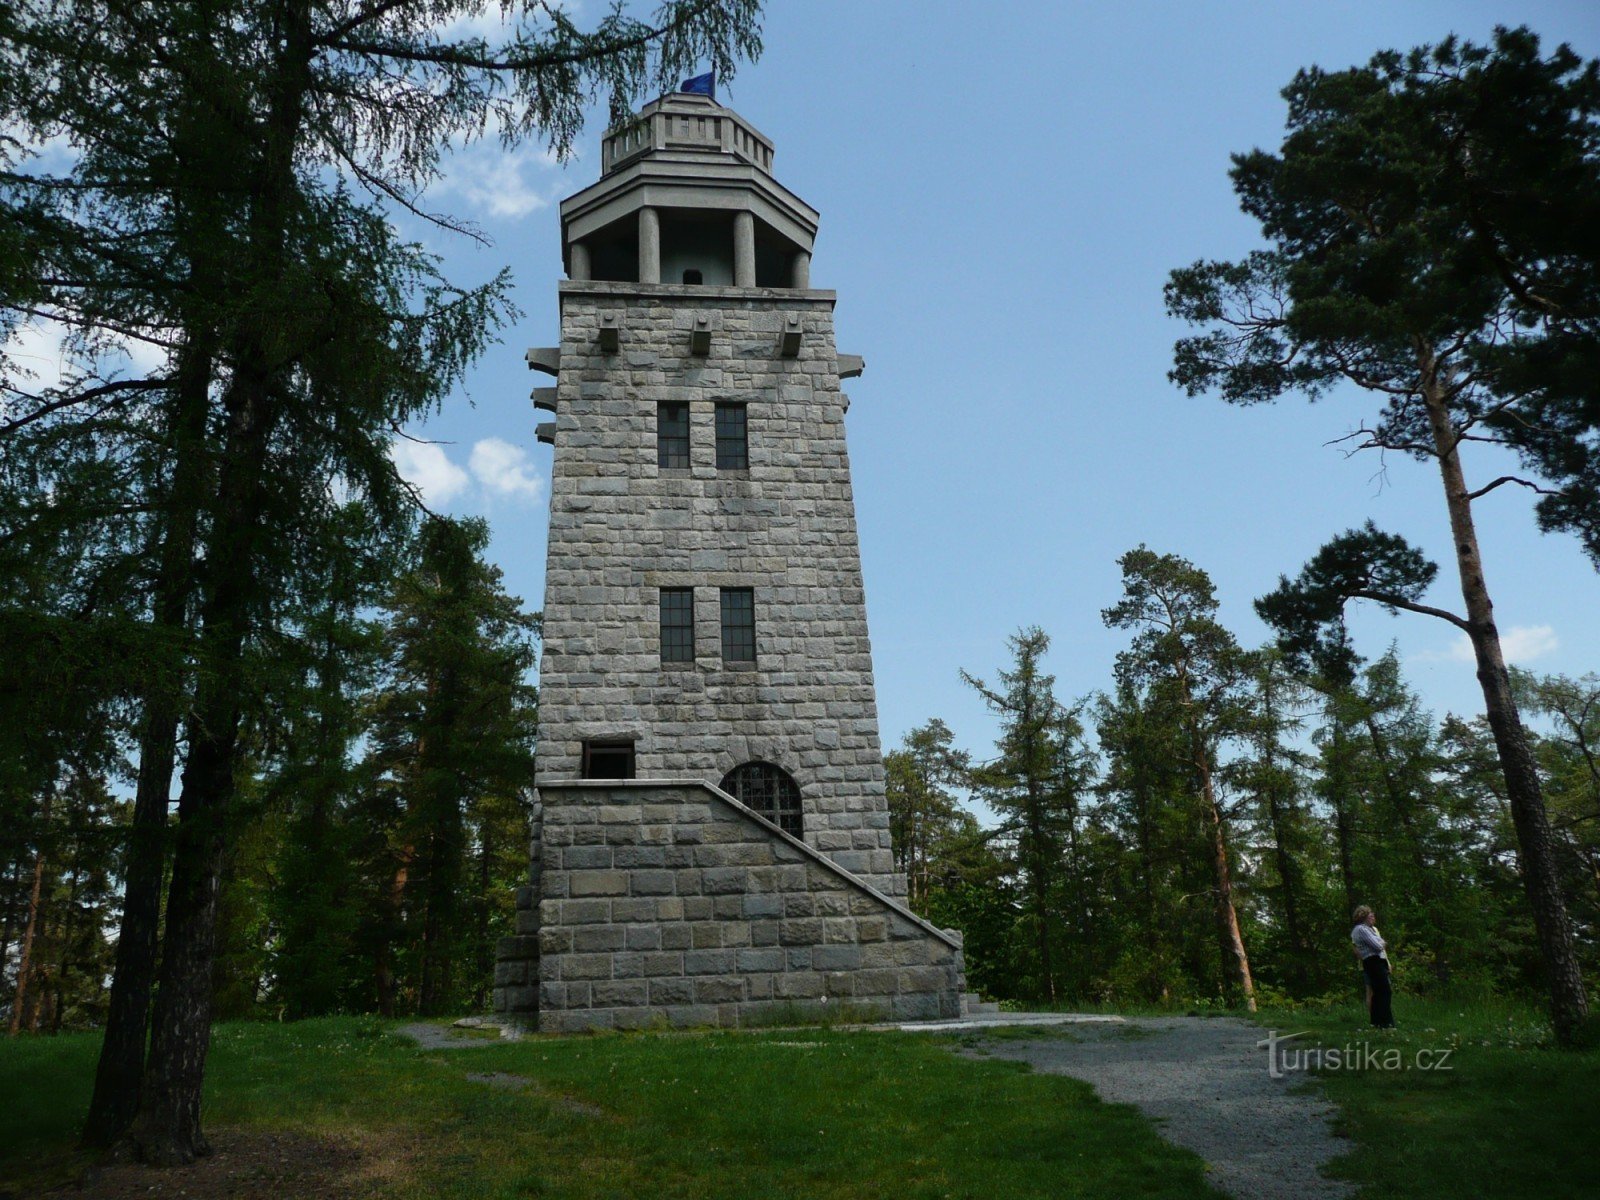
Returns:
(712,840)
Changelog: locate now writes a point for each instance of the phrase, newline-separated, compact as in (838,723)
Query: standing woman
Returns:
(1374,955)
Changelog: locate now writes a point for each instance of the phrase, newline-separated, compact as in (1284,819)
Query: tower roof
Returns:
(686,153)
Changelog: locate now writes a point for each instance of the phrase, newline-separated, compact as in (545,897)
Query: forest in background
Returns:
(381,822)
(1123,870)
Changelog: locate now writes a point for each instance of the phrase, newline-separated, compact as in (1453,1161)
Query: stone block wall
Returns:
(622,528)
(671,904)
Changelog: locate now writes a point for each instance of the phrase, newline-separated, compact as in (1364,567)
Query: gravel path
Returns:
(1206,1085)
(448,1037)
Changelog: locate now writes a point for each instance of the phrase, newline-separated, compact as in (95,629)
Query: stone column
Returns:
(649,246)
(801,272)
(580,262)
(744,250)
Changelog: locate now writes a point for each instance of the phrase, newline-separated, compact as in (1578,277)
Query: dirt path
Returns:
(1206,1085)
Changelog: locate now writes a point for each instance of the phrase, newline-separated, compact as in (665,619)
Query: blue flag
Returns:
(701,85)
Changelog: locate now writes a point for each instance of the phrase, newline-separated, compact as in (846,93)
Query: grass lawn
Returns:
(1513,1117)
(774,1114)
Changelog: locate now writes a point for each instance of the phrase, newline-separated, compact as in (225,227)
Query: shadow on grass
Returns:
(800,1112)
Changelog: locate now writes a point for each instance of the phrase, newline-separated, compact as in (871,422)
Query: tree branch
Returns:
(1393,601)
(1527,483)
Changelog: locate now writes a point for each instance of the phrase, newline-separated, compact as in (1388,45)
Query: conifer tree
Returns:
(235,141)
(923,812)
(1193,667)
(1035,784)
(454,729)
(1430,220)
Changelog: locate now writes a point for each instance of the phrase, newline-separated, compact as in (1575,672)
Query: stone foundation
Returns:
(671,904)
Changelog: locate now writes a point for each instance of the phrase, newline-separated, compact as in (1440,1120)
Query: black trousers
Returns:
(1376,969)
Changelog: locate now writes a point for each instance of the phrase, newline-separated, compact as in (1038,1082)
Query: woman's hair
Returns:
(1361,914)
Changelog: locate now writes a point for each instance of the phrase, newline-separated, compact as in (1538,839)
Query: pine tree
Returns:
(1430,225)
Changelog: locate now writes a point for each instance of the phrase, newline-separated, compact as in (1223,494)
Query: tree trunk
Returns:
(166,1128)
(1289,877)
(1569,1003)
(65,935)
(31,929)
(1235,962)
(485,955)
(392,907)
(1339,798)
(1288,869)
(116,1081)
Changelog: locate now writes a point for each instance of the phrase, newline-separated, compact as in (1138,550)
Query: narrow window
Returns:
(672,434)
(733,440)
(608,760)
(677,625)
(738,625)
(692,275)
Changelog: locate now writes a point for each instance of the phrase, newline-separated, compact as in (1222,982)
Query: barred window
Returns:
(733,438)
(672,434)
(677,625)
(770,791)
(738,625)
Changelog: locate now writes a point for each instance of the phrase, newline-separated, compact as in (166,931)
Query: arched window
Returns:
(770,790)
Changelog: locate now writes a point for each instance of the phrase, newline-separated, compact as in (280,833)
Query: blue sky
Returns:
(1003,190)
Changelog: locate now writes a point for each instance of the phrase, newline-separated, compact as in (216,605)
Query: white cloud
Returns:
(493,181)
(35,349)
(147,359)
(503,469)
(1520,644)
(428,468)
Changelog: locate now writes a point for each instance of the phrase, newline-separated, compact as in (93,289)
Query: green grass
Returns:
(785,1113)
(1514,1117)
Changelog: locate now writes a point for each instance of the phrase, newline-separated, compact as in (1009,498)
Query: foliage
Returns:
(1410,254)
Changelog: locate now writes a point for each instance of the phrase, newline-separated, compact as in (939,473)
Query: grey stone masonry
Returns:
(671,904)
(700,475)
(622,528)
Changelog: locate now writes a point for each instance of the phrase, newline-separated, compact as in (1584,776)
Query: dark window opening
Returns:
(677,625)
(770,791)
(608,760)
(672,434)
(692,275)
(738,625)
(733,438)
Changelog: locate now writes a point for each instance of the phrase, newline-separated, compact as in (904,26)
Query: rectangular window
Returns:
(738,625)
(733,439)
(672,434)
(608,760)
(677,625)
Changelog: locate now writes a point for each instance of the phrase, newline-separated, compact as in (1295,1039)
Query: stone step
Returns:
(974,1005)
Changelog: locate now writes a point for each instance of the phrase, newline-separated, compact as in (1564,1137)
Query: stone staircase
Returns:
(974,1005)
